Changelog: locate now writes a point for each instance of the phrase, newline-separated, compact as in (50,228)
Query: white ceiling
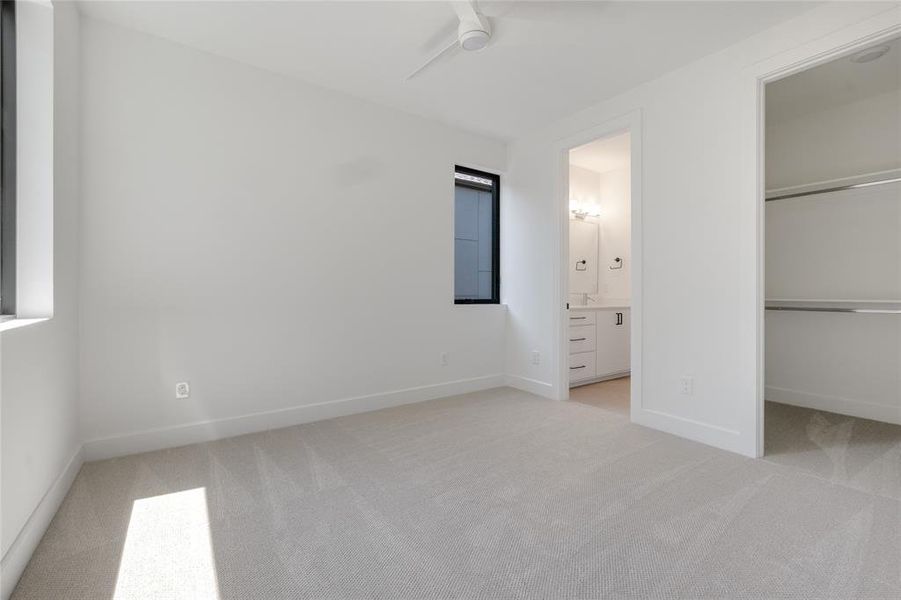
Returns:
(840,81)
(600,156)
(545,60)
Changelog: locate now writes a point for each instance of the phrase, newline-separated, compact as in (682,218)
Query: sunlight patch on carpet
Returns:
(168,550)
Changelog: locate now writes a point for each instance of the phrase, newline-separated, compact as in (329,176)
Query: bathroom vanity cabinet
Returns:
(599,344)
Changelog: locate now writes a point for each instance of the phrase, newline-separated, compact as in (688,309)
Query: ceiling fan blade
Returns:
(470,16)
(434,57)
(465,9)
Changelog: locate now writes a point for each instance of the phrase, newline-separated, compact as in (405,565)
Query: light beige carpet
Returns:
(496,494)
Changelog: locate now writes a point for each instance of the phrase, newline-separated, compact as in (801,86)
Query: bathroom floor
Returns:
(612,395)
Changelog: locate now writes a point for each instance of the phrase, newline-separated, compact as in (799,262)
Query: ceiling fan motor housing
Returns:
(473,34)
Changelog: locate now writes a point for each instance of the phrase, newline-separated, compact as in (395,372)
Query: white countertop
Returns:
(600,305)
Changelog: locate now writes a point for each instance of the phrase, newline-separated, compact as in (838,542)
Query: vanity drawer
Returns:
(581,366)
(582,338)
(582,317)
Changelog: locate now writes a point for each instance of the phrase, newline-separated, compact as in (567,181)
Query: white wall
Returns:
(583,259)
(39,367)
(843,245)
(584,192)
(584,186)
(616,235)
(842,363)
(700,270)
(844,141)
(275,244)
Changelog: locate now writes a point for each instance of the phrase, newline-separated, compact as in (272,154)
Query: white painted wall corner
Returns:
(19,553)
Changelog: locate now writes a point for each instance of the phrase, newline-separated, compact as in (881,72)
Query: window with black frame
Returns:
(8,159)
(476,237)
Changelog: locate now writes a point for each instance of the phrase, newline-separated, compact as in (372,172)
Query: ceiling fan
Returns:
(473,33)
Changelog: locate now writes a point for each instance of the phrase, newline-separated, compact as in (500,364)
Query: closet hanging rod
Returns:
(872,311)
(879,308)
(838,188)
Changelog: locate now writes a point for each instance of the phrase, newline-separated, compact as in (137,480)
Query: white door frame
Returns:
(630,123)
(849,40)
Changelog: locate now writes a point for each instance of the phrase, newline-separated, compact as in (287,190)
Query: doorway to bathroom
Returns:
(601,348)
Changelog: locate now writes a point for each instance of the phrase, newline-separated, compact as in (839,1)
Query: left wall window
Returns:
(477,277)
(8,158)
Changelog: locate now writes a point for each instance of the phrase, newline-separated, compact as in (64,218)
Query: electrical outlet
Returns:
(182,390)
(687,385)
(444,359)
(536,357)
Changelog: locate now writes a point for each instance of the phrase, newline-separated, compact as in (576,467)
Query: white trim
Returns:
(629,122)
(836,404)
(205,431)
(9,323)
(34,159)
(19,553)
(840,42)
(601,379)
(692,429)
(533,386)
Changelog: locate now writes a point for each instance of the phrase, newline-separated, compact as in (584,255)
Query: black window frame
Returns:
(8,159)
(495,189)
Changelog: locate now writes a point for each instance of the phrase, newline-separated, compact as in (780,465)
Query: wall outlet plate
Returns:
(444,359)
(182,390)
(687,385)
(536,357)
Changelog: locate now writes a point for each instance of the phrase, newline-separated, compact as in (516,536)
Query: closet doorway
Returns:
(833,269)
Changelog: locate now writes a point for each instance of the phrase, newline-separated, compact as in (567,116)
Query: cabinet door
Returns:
(612,342)
(622,361)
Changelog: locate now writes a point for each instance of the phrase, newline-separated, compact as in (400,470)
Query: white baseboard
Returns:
(842,406)
(533,386)
(205,431)
(692,429)
(19,553)
(611,376)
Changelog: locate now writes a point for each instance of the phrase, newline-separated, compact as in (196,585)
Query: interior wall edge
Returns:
(206,431)
(20,551)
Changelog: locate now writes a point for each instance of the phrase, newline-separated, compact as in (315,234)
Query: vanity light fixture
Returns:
(580,208)
(580,211)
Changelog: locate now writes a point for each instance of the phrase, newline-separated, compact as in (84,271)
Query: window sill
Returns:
(8,323)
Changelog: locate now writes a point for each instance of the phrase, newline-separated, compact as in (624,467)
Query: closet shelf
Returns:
(884,307)
(848,183)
